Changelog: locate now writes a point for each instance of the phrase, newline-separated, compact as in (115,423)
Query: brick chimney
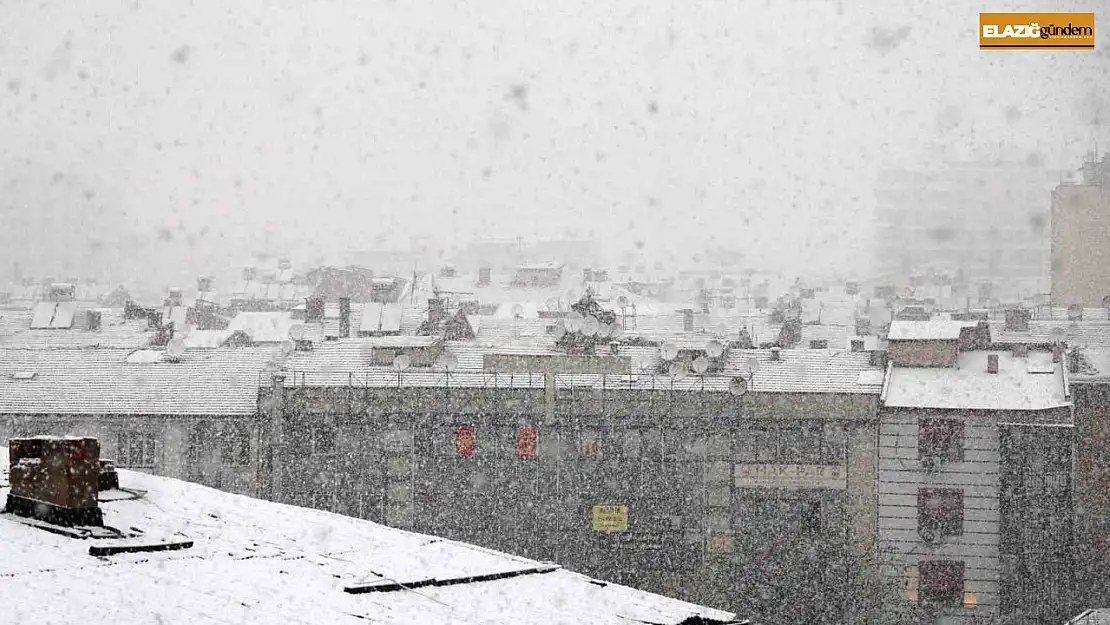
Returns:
(992,363)
(314,310)
(344,317)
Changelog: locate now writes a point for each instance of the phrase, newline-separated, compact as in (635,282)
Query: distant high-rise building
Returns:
(986,222)
(1080,236)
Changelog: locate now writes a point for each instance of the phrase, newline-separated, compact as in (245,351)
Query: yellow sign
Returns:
(1033,31)
(610,518)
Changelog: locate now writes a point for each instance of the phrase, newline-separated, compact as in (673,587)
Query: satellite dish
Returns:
(753,365)
(714,349)
(296,331)
(287,347)
(604,330)
(668,351)
(590,325)
(622,301)
(677,371)
(1075,312)
(518,310)
(450,361)
(176,348)
(738,386)
(701,365)
(402,362)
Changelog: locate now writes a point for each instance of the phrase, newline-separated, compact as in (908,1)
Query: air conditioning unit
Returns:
(930,463)
(929,536)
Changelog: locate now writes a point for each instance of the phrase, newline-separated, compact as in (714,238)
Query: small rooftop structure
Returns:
(931,330)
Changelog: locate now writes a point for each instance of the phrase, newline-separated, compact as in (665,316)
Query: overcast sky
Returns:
(759,123)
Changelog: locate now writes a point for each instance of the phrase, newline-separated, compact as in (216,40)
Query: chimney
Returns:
(436,310)
(878,359)
(484,276)
(857,345)
(688,320)
(1017,320)
(344,317)
(175,298)
(314,310)
(55,479)
(92,320)
(776,353)
(614,347)
(992,363)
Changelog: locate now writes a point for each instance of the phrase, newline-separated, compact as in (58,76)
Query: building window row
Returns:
(136,450)
(527,442)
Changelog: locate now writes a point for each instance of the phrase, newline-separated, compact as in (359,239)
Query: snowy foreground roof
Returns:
(255,561)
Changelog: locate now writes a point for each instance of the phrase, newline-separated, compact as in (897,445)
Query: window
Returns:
(781,443)
(322,501)
(466,442)
(941,583)
(589,444)
(941,438)
(940,510)
(236,444)
(199,441)
(324,438)
(136,450)
(527,439)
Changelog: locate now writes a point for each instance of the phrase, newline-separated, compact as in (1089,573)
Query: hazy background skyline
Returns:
(192,131)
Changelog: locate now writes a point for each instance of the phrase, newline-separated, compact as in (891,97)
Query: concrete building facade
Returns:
(1080,230)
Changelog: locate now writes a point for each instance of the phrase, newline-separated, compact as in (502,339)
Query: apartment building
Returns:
(975,486)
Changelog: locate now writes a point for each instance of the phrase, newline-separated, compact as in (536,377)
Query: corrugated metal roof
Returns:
(969,387)
(100,381)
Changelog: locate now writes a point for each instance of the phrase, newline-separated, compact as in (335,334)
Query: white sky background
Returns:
(334,122)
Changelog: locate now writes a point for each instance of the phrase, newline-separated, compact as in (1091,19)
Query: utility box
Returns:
(55,479)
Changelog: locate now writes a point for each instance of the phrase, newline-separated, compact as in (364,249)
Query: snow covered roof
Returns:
(117,381)
(1075,334)
(115,331)
(1098,616)
(796,371)
(254,561)
(1020,384)
(932,330)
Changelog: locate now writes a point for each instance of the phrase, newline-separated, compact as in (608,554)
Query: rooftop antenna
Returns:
(450,363)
